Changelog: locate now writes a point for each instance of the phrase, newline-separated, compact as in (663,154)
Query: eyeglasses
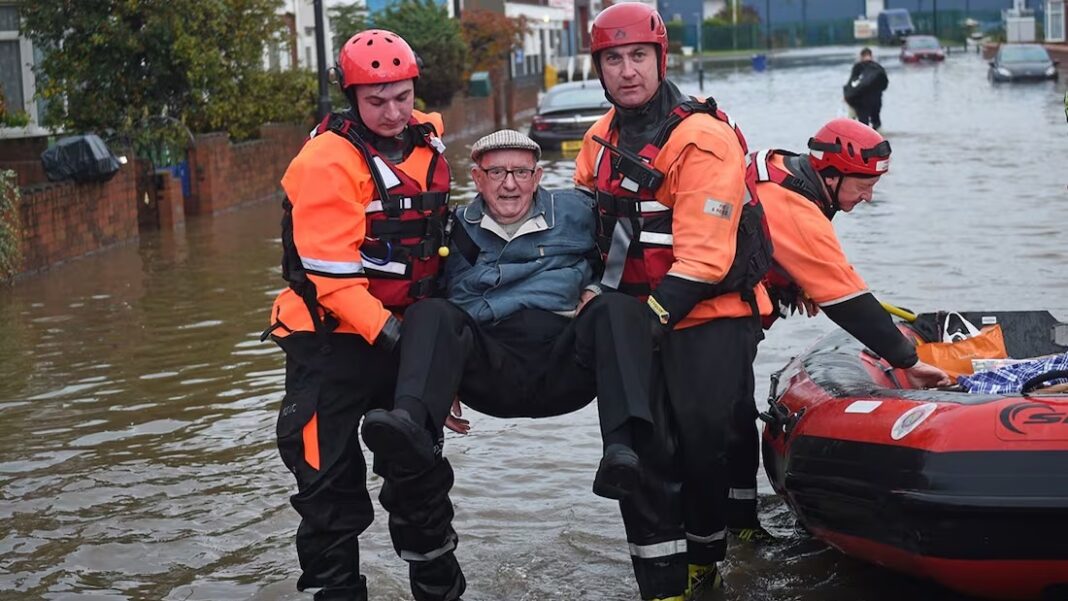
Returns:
(497,174)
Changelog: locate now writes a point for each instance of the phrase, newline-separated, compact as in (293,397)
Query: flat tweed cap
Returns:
(504,139)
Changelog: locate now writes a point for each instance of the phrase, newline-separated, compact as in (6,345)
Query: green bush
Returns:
(10,227)
(676,32)
(18,119)
(437,39)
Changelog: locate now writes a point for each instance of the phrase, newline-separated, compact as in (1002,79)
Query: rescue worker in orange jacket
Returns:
(800,195)
(681,229)
(362,227)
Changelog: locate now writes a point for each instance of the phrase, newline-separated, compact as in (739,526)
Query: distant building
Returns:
(793,11)
(297,47)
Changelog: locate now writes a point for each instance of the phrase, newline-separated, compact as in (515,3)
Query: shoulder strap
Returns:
(346,128)
(462,240)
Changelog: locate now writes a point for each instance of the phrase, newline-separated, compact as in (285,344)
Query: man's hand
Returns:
(923,375)
(456,423)
(809,306)
(585,297)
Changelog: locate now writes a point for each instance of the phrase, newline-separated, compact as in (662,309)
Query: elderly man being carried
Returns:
(523,332)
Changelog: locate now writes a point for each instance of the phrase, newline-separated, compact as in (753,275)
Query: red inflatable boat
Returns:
(969,490)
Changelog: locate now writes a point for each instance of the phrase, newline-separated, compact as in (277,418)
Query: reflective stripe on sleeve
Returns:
(332,267)
(711,538)
(656,238)
(747,494)
(665,549)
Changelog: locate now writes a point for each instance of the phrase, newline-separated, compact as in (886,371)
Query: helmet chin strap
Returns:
(832,206)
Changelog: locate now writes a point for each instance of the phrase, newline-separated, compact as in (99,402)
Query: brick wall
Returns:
(27,173)
(169,200)
(23,149)
(224,175)
(67,220)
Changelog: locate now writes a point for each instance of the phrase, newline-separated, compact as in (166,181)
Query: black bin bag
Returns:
(81,158)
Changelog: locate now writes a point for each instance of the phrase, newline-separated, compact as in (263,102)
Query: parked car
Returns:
(565,113)
(921,48)
(1022,62)
(894,24)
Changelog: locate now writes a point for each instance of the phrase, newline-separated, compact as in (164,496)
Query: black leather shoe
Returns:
(618,474)
(393,436)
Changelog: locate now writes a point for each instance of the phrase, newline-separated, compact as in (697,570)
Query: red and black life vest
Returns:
(626,206)
(784,291)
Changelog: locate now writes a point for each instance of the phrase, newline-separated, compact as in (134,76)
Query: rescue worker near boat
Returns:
(680,229)
(800,194)
(361,232)
(521,333)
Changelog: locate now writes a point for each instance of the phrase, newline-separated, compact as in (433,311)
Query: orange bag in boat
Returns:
(955,358)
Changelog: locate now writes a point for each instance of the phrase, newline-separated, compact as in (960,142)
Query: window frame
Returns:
(29,86)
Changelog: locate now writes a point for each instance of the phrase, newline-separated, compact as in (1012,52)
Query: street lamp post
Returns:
(934,16)
(320,57)
(767,23)
(700,55)
(734,24)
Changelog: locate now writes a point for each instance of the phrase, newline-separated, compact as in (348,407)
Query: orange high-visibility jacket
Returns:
(330,187)
(704,168)
(806,246)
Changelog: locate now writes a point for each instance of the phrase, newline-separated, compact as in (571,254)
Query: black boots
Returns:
(393,436)
(618,474)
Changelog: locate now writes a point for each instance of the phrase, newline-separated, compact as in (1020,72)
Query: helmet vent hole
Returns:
(396,62)
(370,42)
(652,23)
(390,40)
(355,40)
(374,64)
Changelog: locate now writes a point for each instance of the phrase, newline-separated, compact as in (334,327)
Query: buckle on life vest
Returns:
(617,207)
(423,288)
(424,249)
(399,228)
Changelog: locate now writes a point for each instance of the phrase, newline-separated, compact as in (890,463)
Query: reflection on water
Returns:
(139,405)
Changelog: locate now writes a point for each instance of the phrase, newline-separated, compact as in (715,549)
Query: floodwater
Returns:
(138,457)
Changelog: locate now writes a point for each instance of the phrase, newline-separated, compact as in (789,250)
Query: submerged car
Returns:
(921,48)
(1022,62)
(565,113)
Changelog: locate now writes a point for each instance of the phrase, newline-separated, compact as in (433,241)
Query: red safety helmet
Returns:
(848,147)
(630,23)
(375,56)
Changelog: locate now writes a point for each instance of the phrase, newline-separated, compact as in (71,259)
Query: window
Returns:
(11,60)
(11,76)
(17,56)
(1055,22)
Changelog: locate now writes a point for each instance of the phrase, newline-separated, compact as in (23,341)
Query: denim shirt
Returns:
(545,265)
